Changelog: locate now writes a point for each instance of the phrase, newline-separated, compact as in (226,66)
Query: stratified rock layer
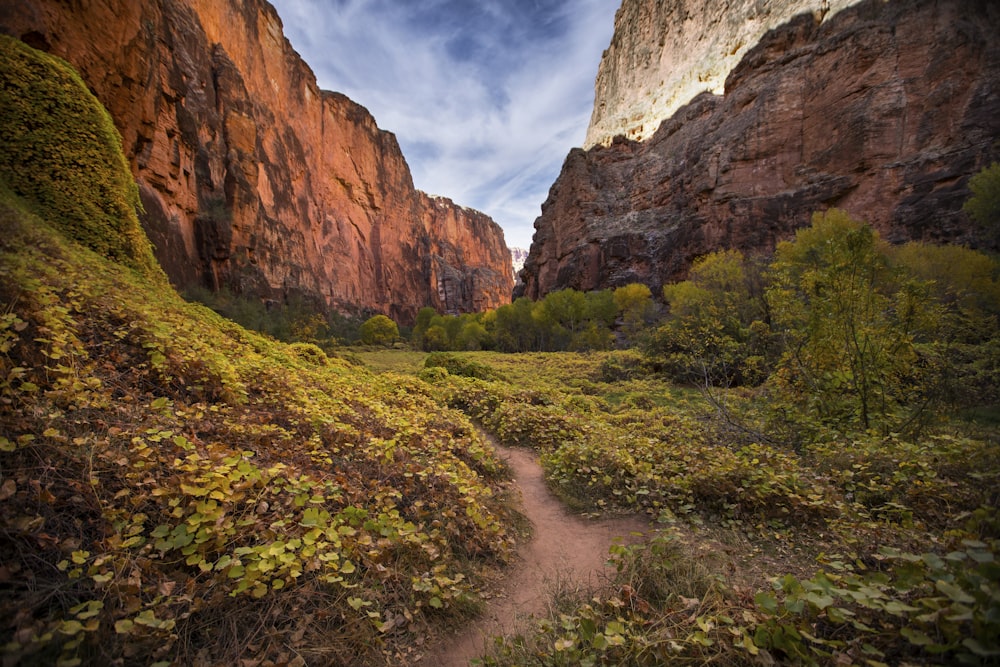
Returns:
(251,176)
(885,110)
(665,52)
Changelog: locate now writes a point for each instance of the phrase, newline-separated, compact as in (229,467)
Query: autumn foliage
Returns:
(176,489)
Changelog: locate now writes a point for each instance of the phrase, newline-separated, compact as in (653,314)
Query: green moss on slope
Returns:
(60,150)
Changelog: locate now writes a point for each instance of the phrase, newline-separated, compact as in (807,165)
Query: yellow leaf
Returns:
(564,644)
(70,627)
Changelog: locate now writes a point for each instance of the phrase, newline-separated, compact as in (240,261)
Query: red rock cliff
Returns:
(884,110)
(251,176)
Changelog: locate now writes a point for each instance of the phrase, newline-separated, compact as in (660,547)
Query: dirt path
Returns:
(564,547)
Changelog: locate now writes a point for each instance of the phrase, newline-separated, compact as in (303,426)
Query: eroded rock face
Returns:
(665,52)
(251,176)
(884,110)
(451,231)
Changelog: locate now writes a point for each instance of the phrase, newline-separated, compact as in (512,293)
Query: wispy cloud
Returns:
(486,97)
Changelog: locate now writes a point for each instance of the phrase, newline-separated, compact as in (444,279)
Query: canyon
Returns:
(663,54)
(255,180)
(883,109)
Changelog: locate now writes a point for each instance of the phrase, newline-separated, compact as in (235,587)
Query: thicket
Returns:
(295,319)
(563,320)
(854,334)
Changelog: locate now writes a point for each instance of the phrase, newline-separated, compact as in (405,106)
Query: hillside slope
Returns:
(177,489)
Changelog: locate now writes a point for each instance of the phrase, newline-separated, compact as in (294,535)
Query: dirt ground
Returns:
(565,548)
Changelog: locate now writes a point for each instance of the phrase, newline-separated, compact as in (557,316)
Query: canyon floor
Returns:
(565,551)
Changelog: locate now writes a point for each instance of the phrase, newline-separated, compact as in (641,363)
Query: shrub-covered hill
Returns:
(177,489)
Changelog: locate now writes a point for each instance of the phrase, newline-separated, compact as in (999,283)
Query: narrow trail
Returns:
(564,547)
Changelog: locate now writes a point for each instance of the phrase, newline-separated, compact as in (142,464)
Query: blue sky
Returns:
(486,97)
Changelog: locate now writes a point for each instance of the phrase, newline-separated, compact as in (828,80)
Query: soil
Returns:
(565,549)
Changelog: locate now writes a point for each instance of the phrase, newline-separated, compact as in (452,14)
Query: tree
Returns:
(963,331)
(567,308)
(435,339)
(715,332)
(635,303)
(379,330)
(515,327)
(966,282)
(423,322)
(594,335)
(601,307)
(850,324)
(558,317)
(473,336)
(984,205)
(453,326)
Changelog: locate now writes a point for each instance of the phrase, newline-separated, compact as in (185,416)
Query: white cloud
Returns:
(486,98)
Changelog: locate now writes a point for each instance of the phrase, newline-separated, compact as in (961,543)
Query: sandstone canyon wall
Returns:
(253,178)
(884,109)
(665,53)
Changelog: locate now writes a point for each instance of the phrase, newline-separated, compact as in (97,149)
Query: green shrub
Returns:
(623,365)
(456,365)
(433,374)
(309,352)
(379,330)
(984,205)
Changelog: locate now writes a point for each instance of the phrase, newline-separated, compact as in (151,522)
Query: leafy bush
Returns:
(456,365)
(310,353)
(926,604)
(379,330)
(622,365)
(984,205)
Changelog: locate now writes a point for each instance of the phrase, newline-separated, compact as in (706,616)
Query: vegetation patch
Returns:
(826,558)
(462,366)
(60,151)
(177,489)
